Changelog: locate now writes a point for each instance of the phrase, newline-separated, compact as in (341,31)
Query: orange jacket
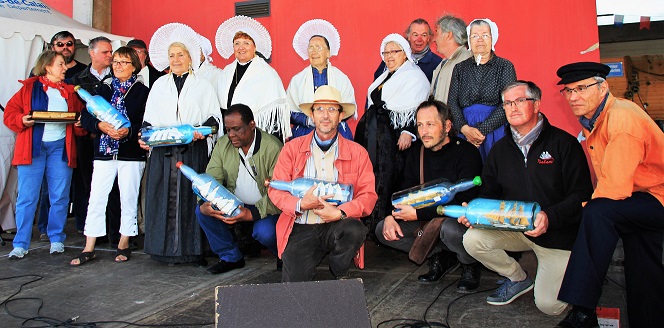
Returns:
(354,168)
(626,149)
(20,105)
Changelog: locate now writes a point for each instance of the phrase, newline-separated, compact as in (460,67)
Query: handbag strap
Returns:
(422,165)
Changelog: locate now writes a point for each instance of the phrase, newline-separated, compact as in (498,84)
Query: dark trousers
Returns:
(308,244)
(639,221)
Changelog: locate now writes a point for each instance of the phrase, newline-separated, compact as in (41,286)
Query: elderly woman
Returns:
(43,149)
(475,88)
(387,128)
(317,40)
(116,153)
(249,79)
(172,233)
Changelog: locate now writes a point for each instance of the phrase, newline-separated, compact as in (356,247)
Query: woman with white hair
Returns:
(475,88)
(172,233)
(387,128)
(249,79)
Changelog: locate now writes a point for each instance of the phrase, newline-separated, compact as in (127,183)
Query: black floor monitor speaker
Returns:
(328,304)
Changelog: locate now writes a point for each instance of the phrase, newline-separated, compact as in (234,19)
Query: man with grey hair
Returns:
(534,162)
(419,35)
(451,38)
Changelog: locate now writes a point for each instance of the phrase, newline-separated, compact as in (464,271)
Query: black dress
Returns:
(376,133)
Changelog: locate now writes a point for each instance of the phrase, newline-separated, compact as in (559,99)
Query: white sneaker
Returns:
(18,253)
(57,248)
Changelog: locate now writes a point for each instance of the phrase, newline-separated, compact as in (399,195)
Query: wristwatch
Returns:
(343,215)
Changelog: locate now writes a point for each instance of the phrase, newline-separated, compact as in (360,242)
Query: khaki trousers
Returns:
(489,246)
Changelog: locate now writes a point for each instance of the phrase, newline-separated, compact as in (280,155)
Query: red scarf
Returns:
(59,86)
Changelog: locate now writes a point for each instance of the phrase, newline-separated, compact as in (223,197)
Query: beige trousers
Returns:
(489,246)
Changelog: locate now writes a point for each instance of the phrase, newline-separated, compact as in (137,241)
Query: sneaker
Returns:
(509,291)
(439,265)
(57,248)
(17,253)
(43,237)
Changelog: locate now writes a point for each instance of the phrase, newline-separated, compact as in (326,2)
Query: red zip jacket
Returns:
(20,105)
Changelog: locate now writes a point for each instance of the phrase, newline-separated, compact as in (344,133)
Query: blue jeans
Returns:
(51,163)
(224,245)
(42,221)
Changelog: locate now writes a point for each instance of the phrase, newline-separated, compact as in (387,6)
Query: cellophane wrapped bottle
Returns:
(173,135)
(341,193)
(102,109)
(210,190)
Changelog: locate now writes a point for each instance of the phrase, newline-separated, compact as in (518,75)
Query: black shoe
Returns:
(439,265)
(470,278)
(577,319)
(223,266)
(280,265)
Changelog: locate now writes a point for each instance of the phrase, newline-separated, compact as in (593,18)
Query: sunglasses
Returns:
(68,44)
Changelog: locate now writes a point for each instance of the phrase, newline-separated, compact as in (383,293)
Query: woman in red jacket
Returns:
(43,149)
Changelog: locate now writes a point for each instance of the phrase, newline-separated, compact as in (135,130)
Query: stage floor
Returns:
(147,292)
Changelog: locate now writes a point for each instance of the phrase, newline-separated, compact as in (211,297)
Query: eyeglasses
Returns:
(391,52)
(483,36)
(567,92)
(517,102)
(315,49)
(120,63)
(329,109)
(60,44)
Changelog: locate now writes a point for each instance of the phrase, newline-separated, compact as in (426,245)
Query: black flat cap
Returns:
(582,70)
(137,43)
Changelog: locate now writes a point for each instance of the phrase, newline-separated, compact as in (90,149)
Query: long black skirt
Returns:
(172,233)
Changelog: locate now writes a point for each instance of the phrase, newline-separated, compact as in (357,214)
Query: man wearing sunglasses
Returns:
(64,43)
(626,149)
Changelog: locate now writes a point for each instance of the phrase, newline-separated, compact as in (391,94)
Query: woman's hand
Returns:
(198,135)
(404,141)
(142,143)
(27,121)
(473,135)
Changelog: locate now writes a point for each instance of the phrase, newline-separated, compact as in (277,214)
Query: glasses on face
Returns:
(567,92)
(329,109)
(517,102)
(391,52)
(484,36)
(120,63)
(315,48)
(60,44)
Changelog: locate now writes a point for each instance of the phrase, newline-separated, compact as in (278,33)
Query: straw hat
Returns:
(316,27)
(226,31)
(164,36)
(326,94)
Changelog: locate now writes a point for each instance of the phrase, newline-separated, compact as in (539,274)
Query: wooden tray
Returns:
(54,117)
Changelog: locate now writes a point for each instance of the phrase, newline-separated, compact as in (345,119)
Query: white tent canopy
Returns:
(26,25)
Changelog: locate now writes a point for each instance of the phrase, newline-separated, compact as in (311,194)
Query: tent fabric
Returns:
(26,26)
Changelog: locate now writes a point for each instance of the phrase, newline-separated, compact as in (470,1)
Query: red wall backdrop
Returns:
(537,36)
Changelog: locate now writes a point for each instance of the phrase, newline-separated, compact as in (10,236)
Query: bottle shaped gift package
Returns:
(495,214)
(210,190)
(173,135)
(102,109)
(436,192)
(341,193)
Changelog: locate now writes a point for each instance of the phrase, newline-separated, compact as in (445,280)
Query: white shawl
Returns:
(211,73)
(402,93)
(262,90)
(301,87)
